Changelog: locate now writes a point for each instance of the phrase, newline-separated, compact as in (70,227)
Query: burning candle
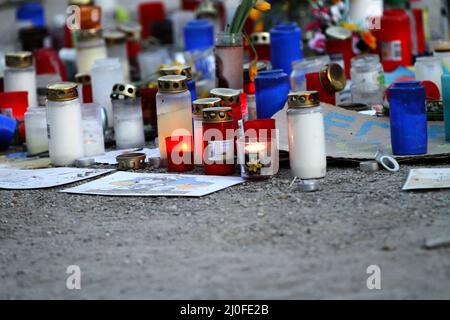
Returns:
(180,155)
(259,159)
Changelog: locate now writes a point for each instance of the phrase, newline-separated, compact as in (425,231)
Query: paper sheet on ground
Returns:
(150,184)
(351,135)
(436,178)
(110,157)
(16,179)
(20,160)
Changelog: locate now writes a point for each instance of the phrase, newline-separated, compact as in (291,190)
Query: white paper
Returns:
(110,157)
(436,178)
(16,179)
(150,184)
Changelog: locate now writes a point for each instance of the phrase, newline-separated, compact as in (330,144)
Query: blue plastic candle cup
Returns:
(445,79)
(198,35)
(7,130)
(272,89)
(408,116)
(286,46)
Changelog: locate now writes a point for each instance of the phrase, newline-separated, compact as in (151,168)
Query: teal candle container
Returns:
(445,79)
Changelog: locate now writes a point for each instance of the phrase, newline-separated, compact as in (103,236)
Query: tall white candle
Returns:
(429,69)
(306,135)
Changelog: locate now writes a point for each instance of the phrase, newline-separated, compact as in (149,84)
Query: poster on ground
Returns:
(155,185)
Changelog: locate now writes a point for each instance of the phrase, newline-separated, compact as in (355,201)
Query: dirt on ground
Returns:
(259,240)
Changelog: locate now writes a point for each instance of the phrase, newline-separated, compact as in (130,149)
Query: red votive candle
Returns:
(262,128)
(313,84)
(180,153)
(14,105)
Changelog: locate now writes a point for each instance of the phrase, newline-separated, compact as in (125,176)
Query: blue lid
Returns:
(285,28)
(33,12)
(7,130)
(198,34)
(274,74)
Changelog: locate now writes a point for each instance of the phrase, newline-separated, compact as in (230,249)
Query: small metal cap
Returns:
(89,34)
(260,38)
(227,95)
(369,166)
(124,91)
(338,33)
(62,91)
(332,77)
(217,115)
(308,185)
(19,59)
(172,84)
(201,104)
(176,71)
(207,9)
(131,161)
(303,99)
(114,37)
(83,78)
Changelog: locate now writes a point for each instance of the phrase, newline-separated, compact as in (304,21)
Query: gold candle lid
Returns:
(124,91)
(201,104)
(172,84)
(83,78)
(227,95)
(81,2)
(176,70)
(332,77)
(131,30)
(114,37)
(62,91)
(207,9)
(303,99)
(19,59)
(217,115)
(89,34)
(260,38)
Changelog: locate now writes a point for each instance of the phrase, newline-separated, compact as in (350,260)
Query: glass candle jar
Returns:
(369,94)
(197,116)
(84,87)
(180,154)
(367,69)
(218,141)
(105,74)
(446,98)
(20,75)
(116,47)
(407,108)
(258,159)
(90,48)
(306,132)
(36,130)
(128,119)
(183,71)
(94,140)
(173,106)
(429,68)
(301,68)
(286,46)
(229,53)
(64,124)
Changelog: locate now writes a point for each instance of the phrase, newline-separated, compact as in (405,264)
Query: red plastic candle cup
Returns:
(180,154)
(148,100)
(149,13)
(395,39)
(313,84)
(344,47)
(420,30)
(48,62)
(262,128)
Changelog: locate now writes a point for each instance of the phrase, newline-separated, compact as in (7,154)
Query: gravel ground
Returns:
(257,240)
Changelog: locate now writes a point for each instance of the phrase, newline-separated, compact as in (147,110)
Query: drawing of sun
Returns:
(187,186)
(123,183)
